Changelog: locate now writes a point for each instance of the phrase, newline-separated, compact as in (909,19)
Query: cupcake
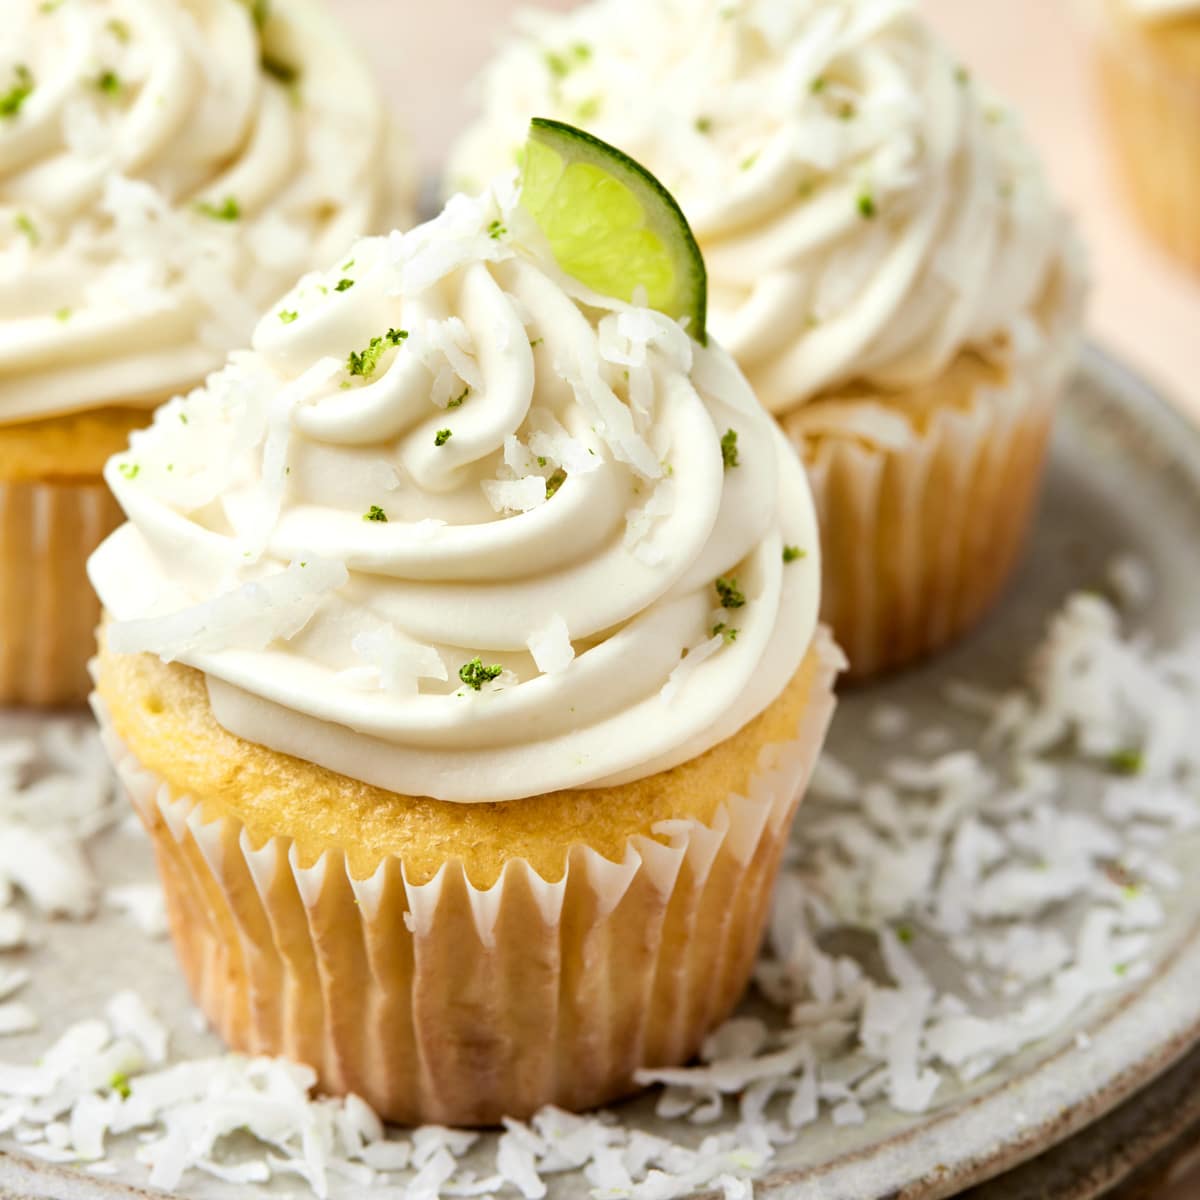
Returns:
(885,264)
(461,659)
(166,170)
(1149,60)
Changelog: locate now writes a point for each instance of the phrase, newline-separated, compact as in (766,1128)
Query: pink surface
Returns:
(1034,51)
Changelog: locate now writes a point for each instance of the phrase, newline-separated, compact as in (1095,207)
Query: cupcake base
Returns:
(924,502)
(54,511)
(438,1000)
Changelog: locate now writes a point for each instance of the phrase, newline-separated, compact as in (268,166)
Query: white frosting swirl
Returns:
(865,211)
(166,170)
(552,467)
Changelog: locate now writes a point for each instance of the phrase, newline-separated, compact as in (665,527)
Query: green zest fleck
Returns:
(542,460)
(363,364)
(344,285)
(458,400)
(847,112)
(25,225)
(227,210)
(556,64)
(555,482)
(496,230)
(582,52)
(119,1083)
(722,630)
(818,85)
(443,436)
(62,314)
(589,109)
(119,29)
(905,934)
(728,592)
(792,553)
(474,674)
(1126,762)
(729,451)
(278,69)
(129,470)
(535,343)
(962,75)
(749,161)
(704,124)
(183,418)
(375,513)
(867,207)
(260,11)
(109,82)
(18,93)
(288,315)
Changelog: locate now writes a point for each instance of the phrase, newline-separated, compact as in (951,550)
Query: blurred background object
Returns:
(1035,52)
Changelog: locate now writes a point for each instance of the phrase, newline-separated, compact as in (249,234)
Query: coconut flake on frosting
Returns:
(481,474)
(159,188)
(867,211)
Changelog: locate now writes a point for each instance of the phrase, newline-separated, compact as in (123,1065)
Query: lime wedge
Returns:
(611,224)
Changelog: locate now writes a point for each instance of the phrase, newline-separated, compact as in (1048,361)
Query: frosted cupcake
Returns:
(463,665)
(166,170)
(1149,55)
(884,262)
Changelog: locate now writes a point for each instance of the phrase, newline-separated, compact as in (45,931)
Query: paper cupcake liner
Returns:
(441,1002)
(922,528)
(48,612)
(1153,108)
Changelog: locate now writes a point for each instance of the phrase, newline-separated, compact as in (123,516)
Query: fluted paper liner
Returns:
(48,612)
(442,1002)
(922,525)
(1153,108)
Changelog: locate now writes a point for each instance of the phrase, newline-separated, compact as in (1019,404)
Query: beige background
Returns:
(1034,51)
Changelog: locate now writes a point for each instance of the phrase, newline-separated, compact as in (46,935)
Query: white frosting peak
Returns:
(865,210)
(455,526)
(166,169)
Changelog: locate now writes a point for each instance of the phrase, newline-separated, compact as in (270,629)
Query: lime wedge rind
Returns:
(611,224)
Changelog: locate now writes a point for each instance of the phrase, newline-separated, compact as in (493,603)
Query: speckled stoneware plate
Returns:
(1126,475)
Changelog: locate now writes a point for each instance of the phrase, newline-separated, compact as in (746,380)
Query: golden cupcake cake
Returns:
(462,659)
(885,263)
(1149,60)
(166,170)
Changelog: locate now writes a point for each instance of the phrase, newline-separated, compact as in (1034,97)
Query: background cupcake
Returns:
(884,261)
(491,676)
(1149,54)
(166,170)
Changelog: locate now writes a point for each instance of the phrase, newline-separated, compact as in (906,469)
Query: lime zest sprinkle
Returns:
(792,553)
(227,210)
(1127,762)
(129,470)
(119,1083)
(867,208)
(25,225)
(288,315)
(704,124)
(474,674)
(20,91)
(497,230)
(442,436)
(344,285)
(363,363)
(729,449)
(555,482)
(62,314)
(375,513)
(818,85)
(119,29)
(458,400)
(728,592)
(109,82)
(726,632)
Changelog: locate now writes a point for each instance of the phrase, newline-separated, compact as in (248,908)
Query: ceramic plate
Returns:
(1125,474)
